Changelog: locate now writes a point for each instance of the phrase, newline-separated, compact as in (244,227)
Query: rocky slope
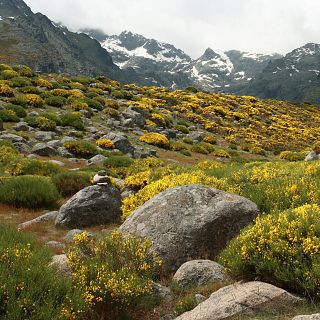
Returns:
(34,40)
(294,77)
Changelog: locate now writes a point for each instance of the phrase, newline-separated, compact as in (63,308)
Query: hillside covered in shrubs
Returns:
(61,135)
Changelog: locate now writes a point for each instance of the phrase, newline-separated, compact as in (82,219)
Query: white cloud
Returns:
(194,25)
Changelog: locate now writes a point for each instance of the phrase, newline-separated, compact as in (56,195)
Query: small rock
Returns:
(312,156)
(70,234)
(12,137)
(199,272)
(44,135)
(63,152)
(49,216)
(56,245)
(101,177)
(54,144)
(199,298)
(22,126)
(57,162)
(162,291)
(42,149)
(61,262)
(308,317)
(96,160)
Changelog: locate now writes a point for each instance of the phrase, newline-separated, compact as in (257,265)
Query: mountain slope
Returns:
(34,40)
(294,77)
(163,64)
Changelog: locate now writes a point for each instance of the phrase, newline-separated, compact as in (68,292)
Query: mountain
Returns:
(34,40)
(163,64)
(295,77)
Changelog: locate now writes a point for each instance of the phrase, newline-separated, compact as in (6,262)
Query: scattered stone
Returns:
(12,137)
(199,298)
(42,149)
(101,177)
(190,222)
(44,135)
(162,291)
(49,216)
(56,245)
(126,193)
(61,262)
(135,118)
(22,126)
(308,317)
(91,206)
(63,152)
(120,142)
(242,298)
(96,160)
(22,147)
(54,144)
(198,273)
(312,156)
(33,114)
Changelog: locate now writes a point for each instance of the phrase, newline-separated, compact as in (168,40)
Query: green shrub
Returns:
(70,182)
(118,162)
(18,110)
(9,74)
(114,272)
(20,82)
(29,288)
(73,120)
(112,104)
(283,248)
(26,166)
(41,122)
(186,152)
(181,128)
(24,71)
(94,104)
(81,148)
(185,304)
(32,192)
(292,156)
(202,147)
(191,89)
(56,101)
(8,116)
(221,153)
(188,140)
(111,112)
(53,117)
(30,89)
(178,146)
(121,94)
(19,100)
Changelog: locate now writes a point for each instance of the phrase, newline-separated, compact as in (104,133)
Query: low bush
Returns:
(70,182)
(19,82)
(81,148)
(178,146)
(41,122)
(53,117)
(210,139)
(29,288)
(282,248)
(30,89)
(181,128)
(31,192)
(9,74)
(18,110)
(72,119)
(56,101)
(105,143)
(8,116)
(156,139)
(19,100)
(292,156)
(26,166)
(202,147)
(34,100)
(114,272)
(5,90)
(221,153)
(118,162)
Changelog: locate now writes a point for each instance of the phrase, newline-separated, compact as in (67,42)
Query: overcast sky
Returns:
(193,25)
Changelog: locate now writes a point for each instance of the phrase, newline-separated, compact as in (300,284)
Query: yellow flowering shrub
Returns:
(138,180)
(156,139)
(5,90)
(9,74)
(172,180)
(81,148)
(44,83)
(34,100)
(113,272)
(29,288)
(210,139)
(105,143)
(283,248)
(221,153)
(7,153)
(291,156)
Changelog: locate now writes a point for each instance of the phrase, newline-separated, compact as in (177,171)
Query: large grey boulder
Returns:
(190,222)
(91,206)
(120,142)
(199,272)
(242,298)
(308,317)
(136,118)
